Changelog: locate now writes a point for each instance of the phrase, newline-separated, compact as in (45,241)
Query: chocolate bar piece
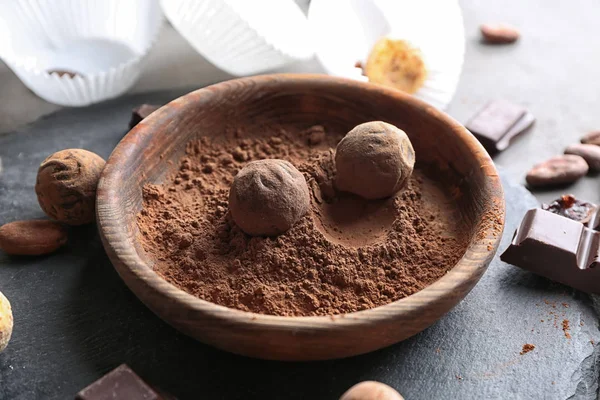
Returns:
(577,210)
(557,248)
(141,112)
(119,384)
(498,123)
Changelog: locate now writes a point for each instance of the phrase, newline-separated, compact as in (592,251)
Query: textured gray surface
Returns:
(75,319)
(552,70)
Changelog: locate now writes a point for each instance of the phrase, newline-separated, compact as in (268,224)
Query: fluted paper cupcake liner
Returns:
(347,31)
(242,37)
(78,52)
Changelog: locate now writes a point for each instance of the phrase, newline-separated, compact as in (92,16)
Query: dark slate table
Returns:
(75,319)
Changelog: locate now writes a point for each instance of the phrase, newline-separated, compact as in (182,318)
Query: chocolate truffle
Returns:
(268,197)
(66,185)
(374,160)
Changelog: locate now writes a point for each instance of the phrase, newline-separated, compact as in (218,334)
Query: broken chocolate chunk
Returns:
(498,123)
(119,384)
(557,248)
(570,207)
(141,112)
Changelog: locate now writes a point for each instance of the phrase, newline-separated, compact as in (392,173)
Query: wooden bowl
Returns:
(152,149)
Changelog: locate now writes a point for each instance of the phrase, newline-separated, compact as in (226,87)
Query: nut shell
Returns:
(6,322)
(66,185)
(374,160)
(268,197)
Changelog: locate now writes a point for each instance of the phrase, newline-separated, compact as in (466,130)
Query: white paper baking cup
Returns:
(103,41)
(345,31)
(243,37)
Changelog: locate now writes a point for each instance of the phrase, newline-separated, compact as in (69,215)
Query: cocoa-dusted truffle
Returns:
(374,160)
(268,197)
(66,185)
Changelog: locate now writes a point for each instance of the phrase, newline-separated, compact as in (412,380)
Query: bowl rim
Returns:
(485,235)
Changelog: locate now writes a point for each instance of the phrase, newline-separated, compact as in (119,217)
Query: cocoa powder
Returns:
(347,254)
(527,347)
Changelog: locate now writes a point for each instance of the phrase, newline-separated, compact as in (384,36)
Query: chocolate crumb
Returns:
(316,135)
(527,348)
(565,327)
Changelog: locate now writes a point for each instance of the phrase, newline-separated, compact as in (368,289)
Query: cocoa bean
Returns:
(591,138)
(32,238)
(589,152)
(557,170)
(499,34)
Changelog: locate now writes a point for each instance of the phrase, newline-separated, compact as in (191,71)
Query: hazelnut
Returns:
(371,390)
(268,197)
(6,322)
(374,160)
(66,185)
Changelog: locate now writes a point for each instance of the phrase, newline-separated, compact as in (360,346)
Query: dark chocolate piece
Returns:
(498,123)
(119,384)
(557,248)
(594,222)
(141,112)
(577,210)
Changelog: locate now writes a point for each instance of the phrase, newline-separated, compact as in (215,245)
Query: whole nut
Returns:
(66,185)
(589,152)
(591,138)
(32,238)
(374,160)
(268,197)
(371,390)
(6,322)
(499,33)
(558,170)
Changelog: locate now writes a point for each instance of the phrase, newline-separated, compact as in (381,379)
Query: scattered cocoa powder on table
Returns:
(527,348)
(348,254)
(566,328)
